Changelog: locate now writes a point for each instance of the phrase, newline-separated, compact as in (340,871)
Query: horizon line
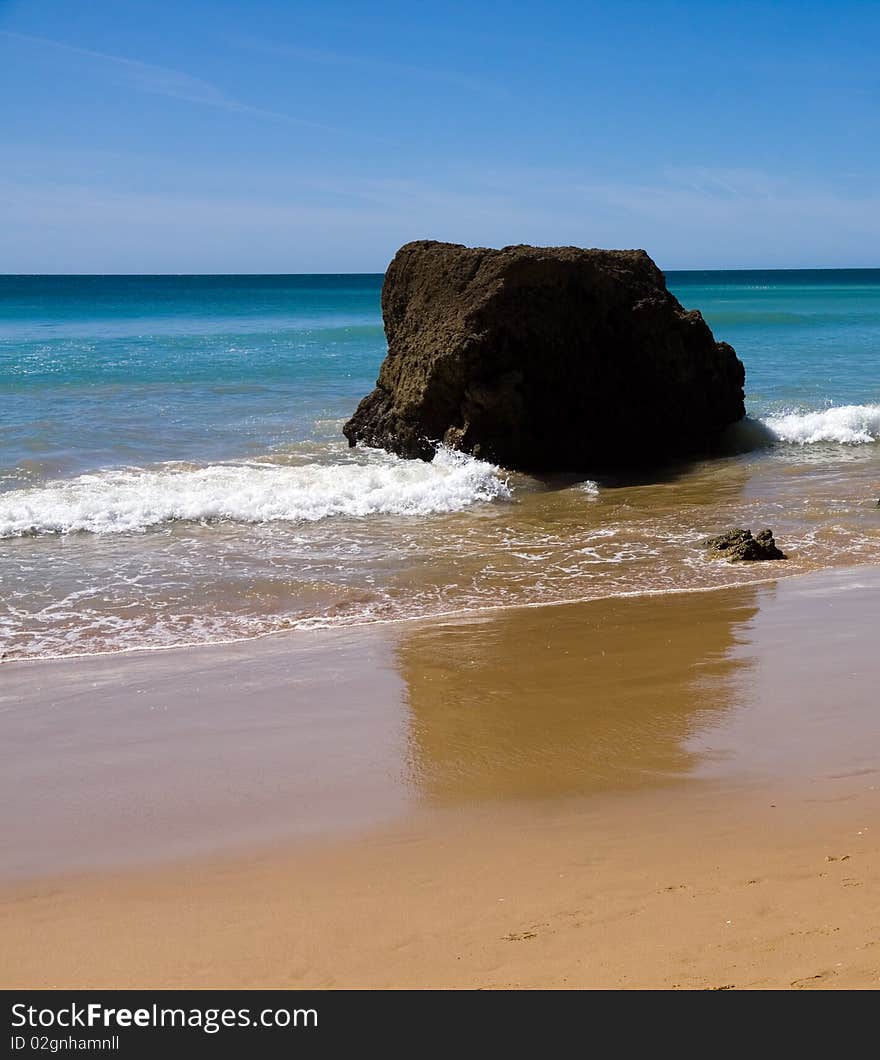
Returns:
(184,275)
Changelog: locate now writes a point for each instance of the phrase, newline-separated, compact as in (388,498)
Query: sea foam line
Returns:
(354,623)
(133,500)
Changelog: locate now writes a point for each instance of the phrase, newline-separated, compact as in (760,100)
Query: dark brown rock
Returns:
(544,358)
(739,546)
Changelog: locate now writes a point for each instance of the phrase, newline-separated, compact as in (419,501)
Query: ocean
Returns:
(172,468)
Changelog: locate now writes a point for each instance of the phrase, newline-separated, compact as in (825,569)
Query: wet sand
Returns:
(676,791)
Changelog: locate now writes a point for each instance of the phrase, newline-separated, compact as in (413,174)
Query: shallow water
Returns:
(172,469)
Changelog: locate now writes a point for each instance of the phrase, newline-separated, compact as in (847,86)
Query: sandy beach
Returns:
(439,514)
(500,800)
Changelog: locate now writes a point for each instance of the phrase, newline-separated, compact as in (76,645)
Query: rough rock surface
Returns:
(544,358)
(740,546)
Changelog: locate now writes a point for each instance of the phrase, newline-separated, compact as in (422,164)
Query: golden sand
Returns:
(676,791)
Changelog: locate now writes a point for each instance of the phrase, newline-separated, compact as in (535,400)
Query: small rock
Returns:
(739,546)
(729,539)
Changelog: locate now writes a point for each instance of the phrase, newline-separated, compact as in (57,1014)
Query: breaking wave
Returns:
(845,424)
(134,500)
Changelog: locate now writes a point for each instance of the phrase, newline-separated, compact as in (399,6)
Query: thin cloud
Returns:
(320,222)
(810,223)
(378,66)
(164,81)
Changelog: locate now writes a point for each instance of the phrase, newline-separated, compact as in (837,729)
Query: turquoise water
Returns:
(172,468)
(808,338)
(91,366)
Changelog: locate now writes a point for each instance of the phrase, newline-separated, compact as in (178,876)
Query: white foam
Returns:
(846,424)
(133,500)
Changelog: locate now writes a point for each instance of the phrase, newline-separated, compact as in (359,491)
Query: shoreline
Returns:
(316,625)
(337,812)
(408,716)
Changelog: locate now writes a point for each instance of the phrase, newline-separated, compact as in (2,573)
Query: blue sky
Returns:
(216,136)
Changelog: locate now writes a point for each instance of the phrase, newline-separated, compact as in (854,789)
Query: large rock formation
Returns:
(544,358)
